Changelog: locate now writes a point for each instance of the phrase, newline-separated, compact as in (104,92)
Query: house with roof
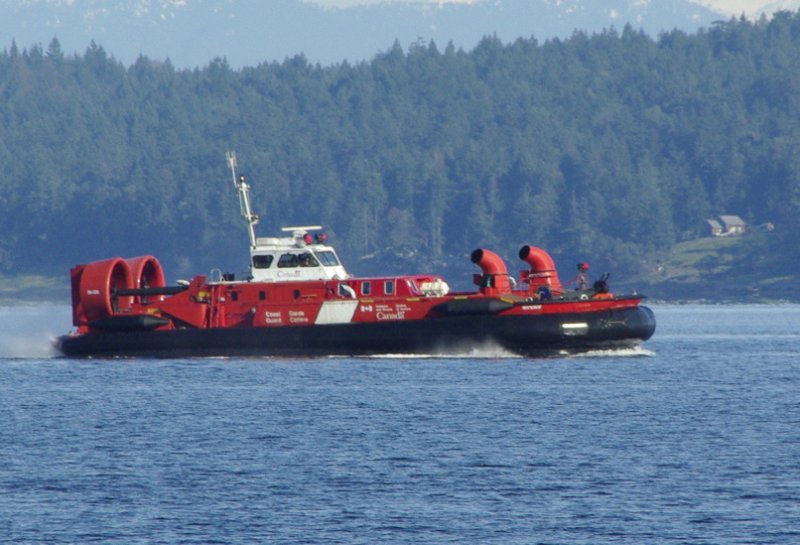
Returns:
(716,227)
(726,226)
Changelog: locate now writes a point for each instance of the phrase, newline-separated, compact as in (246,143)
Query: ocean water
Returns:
(694,438)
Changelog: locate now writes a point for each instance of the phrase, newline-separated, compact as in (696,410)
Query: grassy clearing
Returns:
(740,268)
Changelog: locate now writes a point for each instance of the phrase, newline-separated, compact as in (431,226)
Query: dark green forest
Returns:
(609,147)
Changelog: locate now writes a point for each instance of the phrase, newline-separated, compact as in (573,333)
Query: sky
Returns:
(734,7)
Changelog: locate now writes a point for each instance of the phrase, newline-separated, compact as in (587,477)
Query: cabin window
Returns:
(388,287)
(328,258)
(262,261)
(307,259)
(262,295)
(366,288)
(288,261)
(234,296)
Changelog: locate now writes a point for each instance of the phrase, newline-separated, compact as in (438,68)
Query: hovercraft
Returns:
(299,300)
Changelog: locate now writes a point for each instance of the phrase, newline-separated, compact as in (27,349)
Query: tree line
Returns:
(611,146)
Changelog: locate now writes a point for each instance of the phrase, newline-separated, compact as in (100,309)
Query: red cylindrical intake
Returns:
(543,269)
(95,285)
(147,273)
(495,274)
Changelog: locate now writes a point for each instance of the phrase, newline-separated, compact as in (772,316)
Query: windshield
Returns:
(306,259)
(327,258)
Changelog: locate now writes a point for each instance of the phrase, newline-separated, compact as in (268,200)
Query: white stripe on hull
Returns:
(336,312)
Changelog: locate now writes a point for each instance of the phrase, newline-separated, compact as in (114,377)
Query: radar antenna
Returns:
(244,198)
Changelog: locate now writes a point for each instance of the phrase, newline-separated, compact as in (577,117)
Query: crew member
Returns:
(583,268)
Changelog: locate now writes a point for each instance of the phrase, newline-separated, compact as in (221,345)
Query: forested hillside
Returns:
(608,147)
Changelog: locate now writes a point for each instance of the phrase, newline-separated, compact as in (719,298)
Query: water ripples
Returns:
(693,439)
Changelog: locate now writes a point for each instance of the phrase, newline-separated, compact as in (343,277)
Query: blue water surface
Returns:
(693,439)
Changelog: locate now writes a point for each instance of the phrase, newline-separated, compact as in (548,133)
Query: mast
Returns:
(244,198)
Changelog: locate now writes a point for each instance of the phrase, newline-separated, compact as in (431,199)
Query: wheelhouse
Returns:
(302,256)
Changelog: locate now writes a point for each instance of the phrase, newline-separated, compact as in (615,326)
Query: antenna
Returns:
(244,198)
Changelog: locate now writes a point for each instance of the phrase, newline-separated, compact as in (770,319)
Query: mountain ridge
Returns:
(248,32)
